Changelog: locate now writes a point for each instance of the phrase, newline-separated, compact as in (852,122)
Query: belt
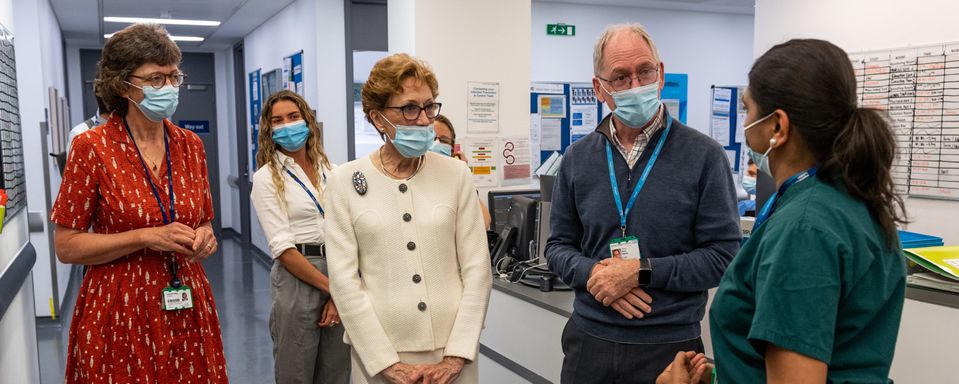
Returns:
(312,249)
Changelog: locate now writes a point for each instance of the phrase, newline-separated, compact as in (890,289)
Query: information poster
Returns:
(584,115)
(551,134)
(481,154)
(552,106)
(516,159)
(535,130)
(255,104)
(482,114)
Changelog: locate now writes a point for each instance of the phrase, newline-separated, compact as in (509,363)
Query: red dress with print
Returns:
(120,333)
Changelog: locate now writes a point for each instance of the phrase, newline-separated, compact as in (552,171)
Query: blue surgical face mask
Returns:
(291,136)
(636,106)
(412,140)
(761,160)
(442,148)
(158,104)
(749,184)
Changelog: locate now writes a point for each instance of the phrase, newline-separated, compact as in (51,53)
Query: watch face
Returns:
(645,275)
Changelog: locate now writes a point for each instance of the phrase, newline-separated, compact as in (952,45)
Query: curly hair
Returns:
(386,79)
(126,51)
(266,155)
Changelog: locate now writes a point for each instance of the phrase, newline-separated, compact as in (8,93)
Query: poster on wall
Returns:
(253,81)
(552,106)
(293,72)
(583,114)
(675,95)
(535,130)
(481,157)
(516,159)
(482,110)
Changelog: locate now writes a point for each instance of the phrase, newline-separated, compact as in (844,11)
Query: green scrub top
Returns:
(816,278)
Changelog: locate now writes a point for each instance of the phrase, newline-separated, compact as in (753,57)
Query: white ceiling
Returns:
(81,21)
(745,7)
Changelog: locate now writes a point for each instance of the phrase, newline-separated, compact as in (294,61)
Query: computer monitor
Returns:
(499,205)
(522,216)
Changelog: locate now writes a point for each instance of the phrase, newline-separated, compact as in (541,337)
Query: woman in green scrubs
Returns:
(816,294)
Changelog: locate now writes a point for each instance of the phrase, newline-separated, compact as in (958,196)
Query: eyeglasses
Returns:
(158,80)
(412,111)
(623,82)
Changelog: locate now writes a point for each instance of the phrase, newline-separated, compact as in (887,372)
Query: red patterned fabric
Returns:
(119,332)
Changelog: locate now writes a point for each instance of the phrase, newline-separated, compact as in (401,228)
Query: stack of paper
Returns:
(944,261)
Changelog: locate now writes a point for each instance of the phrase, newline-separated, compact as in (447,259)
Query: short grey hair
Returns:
(608,34)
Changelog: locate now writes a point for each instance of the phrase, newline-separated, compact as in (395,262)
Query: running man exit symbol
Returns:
(560,30)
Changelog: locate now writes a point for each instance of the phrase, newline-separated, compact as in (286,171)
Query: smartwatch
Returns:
(645,273)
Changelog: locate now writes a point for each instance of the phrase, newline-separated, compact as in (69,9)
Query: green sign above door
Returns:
(560,30)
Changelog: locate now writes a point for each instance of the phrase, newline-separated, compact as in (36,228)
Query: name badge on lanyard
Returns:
(315,201)
(177,295)
(627,247)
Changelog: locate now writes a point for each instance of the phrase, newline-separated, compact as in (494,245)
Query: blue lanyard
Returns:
(297,179)
(770,205)
(167,219)
(642,179)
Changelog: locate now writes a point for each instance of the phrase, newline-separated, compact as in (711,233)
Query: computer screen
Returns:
(499,204)
(523,216)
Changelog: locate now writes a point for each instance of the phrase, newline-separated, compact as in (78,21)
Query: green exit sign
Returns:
(560,30)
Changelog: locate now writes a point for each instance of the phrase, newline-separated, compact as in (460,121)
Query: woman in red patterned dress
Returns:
(141,183)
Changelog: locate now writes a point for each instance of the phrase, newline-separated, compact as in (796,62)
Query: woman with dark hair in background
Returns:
(145,312)
(816,294)
(288,191)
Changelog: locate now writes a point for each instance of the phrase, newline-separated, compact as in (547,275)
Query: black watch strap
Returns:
(645,273)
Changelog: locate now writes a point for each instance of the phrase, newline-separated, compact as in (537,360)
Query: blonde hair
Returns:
(266,155)
(612,30)
(386,79)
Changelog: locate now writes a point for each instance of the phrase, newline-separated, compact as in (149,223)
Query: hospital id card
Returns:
(177,298)
(625,248)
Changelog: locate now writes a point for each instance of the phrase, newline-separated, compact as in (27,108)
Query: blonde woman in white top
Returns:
(288,191)
(409,260)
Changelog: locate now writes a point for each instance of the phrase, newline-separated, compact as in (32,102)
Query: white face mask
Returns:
(761,160)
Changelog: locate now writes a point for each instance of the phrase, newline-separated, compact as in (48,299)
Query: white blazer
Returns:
(408,260)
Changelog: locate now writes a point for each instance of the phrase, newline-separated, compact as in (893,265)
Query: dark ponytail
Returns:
(862,157)
(813,82)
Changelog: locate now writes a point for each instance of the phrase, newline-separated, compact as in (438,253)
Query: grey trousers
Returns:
(302,351)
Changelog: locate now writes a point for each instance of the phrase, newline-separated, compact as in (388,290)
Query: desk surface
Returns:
(558,302)
(933,296)
(561,302)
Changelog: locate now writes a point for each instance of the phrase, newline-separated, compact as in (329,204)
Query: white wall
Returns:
(317,28)
(458,52)
(858,25)
(39,53)
(18,351)
(924,349)
(712,48)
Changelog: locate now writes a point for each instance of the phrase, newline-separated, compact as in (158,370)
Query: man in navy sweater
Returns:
(657,194)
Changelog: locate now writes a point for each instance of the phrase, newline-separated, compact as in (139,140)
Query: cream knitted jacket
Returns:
(408,260)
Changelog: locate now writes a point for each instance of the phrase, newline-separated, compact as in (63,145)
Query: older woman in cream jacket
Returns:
(407,251)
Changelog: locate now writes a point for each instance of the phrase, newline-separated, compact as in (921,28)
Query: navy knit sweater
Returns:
(685,218)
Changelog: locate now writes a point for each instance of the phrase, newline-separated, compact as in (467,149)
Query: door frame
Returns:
(243,155)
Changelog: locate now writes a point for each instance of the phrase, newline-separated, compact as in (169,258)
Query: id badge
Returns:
(177,298)
(625,248)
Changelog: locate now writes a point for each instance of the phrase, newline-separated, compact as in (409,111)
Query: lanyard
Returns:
(167,219)
(623,213)
(297,179)
(770,205)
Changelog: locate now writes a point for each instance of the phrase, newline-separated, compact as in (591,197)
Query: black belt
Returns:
(312,249)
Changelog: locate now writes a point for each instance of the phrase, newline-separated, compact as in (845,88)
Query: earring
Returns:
(772,142)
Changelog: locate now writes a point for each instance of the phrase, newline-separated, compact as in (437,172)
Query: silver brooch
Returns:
(359,182)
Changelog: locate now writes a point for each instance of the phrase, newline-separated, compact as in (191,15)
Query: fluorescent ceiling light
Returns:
(172,37)
(204,23)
